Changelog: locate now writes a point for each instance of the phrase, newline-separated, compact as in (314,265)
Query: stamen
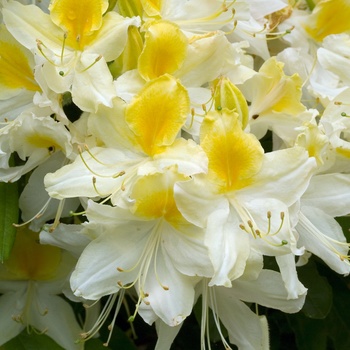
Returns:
(93,63)
(36,216)
(58,216)
(103,316)
(63,46)
(214,307)
(118,174)
(39,45)
(279,35)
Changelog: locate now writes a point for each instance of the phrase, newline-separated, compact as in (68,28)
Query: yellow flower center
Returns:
(154,197)
(79,19)
(234,156)
(328,17)
(30,260)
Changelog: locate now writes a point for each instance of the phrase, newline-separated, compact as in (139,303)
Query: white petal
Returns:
(243,325)
(67,237)
(185,246)
(10,306)
(268,290)
(19,21)
(228,246)
(286,264)
(196,202)
(166,335)
(111,38)
(175,304)
(30,208)
(285,175)
(100,266)
(327,191)
(93,83)
(59,320)
(186,154)
(319,233)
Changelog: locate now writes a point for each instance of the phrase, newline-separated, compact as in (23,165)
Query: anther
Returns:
(121,173)
(242,227)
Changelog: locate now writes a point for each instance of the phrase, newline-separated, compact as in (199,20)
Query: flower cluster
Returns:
(138,130)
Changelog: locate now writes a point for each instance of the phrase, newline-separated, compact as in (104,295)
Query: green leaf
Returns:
(310,334)
(319,296)
(33,341)
(95,344)
(8,215)
(338,319)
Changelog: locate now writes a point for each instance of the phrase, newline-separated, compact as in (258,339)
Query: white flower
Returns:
(74,43)
(152,248)
(30,282)
(141,138)
(34,139)
(243,201)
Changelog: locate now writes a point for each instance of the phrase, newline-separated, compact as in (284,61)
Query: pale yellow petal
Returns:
(328,17)
(152,7)
(164,50)
(15,69)
(157,114)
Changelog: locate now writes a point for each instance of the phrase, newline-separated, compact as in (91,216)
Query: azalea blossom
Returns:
(168,154)
(72,52)
(243,201)
(168,252)
(144,140)
(30,282)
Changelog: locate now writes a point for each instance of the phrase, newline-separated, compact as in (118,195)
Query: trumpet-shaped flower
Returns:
(275,97)
(243,200)
(245,328)
(148,131)
(150,247)
(30,281)
(73,42)
(34,139)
